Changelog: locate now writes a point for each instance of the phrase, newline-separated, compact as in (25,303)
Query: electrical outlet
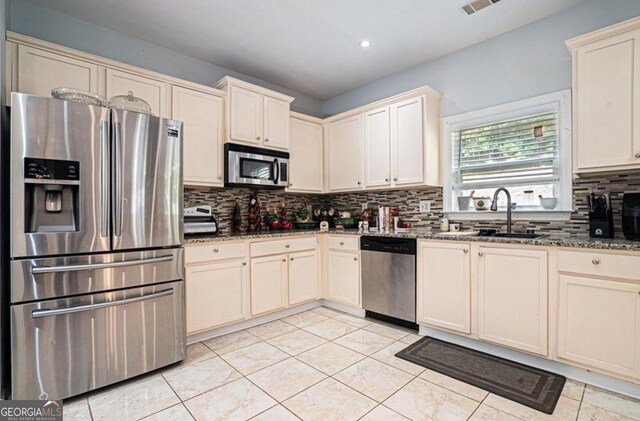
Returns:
(363,206)
(425,206)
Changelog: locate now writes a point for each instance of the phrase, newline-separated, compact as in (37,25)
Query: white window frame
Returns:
(557,101)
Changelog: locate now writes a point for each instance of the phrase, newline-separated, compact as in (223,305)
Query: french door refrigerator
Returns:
(95,262)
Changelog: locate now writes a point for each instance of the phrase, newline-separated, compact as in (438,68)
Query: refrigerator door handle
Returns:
(36,314)
(104,182)
(74,268)
(118,179)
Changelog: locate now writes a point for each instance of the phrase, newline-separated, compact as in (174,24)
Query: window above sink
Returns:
(524,146)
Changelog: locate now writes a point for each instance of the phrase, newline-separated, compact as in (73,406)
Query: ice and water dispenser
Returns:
(51,195)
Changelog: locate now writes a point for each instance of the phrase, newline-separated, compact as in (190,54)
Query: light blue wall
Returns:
(39,22)
(529,61)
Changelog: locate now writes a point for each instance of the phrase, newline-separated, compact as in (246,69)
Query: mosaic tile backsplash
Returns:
(223,201)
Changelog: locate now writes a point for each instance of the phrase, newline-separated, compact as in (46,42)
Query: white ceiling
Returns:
(310,46)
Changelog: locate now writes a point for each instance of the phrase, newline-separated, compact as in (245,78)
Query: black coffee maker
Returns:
(631,216)
(600,216)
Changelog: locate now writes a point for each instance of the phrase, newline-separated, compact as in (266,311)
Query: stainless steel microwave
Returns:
(247,166)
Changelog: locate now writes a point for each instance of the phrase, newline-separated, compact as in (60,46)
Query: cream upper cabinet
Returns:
(268,283)
(245,108)
(201,114)
(377,148)
(39,71)
(305,162)
(344,154)
(303,277)
(599,323)
(151,90)
(343,277)
(512,298)
(276,123)
(606,99)
(444,285)
(216,294)
(407,142)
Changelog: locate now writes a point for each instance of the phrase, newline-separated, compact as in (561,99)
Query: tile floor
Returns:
(321,365)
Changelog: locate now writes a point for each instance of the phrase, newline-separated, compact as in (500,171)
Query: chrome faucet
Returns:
(494,205)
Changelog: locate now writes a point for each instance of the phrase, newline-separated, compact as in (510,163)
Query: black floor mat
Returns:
(535,388)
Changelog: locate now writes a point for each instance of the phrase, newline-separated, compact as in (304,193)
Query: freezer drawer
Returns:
(62,348)
(38,279)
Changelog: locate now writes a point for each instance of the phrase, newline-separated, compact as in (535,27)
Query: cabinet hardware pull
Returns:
(219,177)
(386,179)
(290,184)
(480,254)
(266,140)
(286,246)
(342,243)
(465,251)
(637,155)
(355,258)
(258,138)
(284,260)
(359,183)
(595,261)
(244,263)
(215,250)
(395,179)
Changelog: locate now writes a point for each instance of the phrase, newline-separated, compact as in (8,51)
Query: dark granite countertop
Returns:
(554,240)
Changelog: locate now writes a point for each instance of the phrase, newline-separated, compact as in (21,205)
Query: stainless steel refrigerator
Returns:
(95,262)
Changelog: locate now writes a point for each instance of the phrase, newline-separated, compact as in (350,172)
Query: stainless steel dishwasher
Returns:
(388,268)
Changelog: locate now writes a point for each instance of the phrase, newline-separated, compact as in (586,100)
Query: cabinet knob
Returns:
(342,243)
(395,179)
(266,140)
(355,258)
(244,263)
(215,250)
(284,260)
(219,177)
(359,183)
(465,251)
(480,254)
(595,261)
(637,155)
(290,184)
(291,259)
(386,179)
(286,246)
(258,138)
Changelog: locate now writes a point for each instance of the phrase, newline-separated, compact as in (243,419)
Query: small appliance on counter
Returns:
(631,216)
(600,216)
(199,220)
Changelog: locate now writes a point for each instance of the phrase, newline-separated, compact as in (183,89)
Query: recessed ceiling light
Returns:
(365,43)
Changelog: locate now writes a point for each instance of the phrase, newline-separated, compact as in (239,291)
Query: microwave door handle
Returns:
(276,178)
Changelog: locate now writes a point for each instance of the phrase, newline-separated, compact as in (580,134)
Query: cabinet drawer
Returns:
(351,243)
(213,252)
(265,248)
(600,264)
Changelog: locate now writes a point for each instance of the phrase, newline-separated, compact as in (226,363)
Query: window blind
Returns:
(515,152)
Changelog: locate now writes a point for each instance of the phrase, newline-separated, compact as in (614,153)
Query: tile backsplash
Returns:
(223,201)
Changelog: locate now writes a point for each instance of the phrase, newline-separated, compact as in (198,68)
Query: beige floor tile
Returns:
(238,400)
(327,312)
(296,342)
(374,379)
(286,378)
(303,319)
(573,389)
(487,413)
(566,409)
(231,342)
(612,402)
(353,320)
(454,385)
(196,353)
(330,329)
(382,413)
(421,400)
(388,356)
(330,358)
(271,330)
(133,401)
(364,342)
(389,332)
(593,413)
(254,357)
(329,400)
(175,413)
(277,413)
(78,410)
(198,378)
(411,338)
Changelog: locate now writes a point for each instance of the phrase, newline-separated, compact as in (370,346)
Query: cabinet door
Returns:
(151,90)
(444,286)
(305,162)
(512,298)
(216,294)
(268,283)
(407,142)
(344,277)
(276,123)
(40,71)
(599,324)
(608,102)
(201,114)
(303,277)
(245,115)
(344,143)
(377,147)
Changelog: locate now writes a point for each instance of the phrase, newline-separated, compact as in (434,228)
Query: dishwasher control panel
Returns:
(388,244)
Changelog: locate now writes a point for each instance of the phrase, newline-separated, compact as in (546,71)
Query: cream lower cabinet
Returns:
(268,283)
(512,298)
(303,277)
(444,285)
(343,277)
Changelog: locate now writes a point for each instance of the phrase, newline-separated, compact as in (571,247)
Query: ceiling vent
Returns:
(477,5)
